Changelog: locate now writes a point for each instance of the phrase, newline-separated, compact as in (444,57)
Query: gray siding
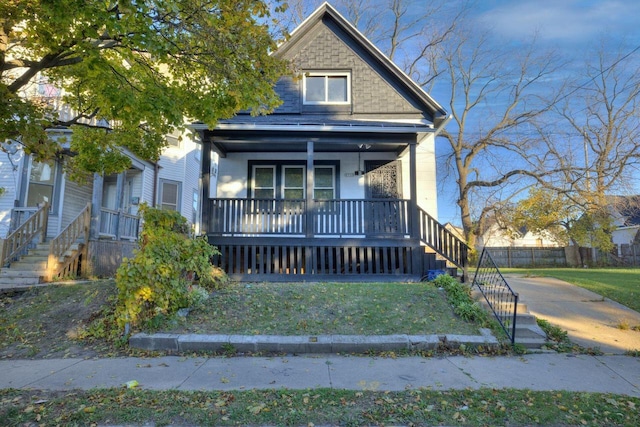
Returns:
(76,197)
(372,92)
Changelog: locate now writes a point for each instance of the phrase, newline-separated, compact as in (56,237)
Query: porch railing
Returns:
(18,241)
(118,225)
(343,217)
(77,232)
(443,241)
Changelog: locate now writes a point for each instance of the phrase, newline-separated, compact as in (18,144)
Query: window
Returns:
(264,182)
(170,195)
(288,179)
(194,207)
(324,182)
(326,88)
(41,183)
(293,186)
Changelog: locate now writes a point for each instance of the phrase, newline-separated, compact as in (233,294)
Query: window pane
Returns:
(324,177)
(293,177)
(169,193)
(42,173)
(263,177)
(39,193)
(263,193)
(294,194)
(323,194)
(337,88)
(314,89)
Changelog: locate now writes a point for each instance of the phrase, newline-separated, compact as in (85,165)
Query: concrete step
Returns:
(18,281)
(531,343)
(10,272)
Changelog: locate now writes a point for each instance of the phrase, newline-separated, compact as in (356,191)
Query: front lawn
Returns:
(51,322)
(326,308)
(619,284)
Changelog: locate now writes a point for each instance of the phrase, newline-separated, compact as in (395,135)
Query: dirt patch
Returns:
(45,322)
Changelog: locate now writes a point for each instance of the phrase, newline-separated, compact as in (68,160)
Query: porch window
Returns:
(293,187)
(170,195)
(324,182)
(326,88)
(41,183)
(264,182)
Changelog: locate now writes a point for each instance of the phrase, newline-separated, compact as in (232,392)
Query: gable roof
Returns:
(326,12)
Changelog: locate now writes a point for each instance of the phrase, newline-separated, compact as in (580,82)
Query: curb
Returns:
(306,343)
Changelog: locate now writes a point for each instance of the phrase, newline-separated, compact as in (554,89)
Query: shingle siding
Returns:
(372,92)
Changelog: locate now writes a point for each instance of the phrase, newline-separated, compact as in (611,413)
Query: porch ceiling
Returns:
(327,137)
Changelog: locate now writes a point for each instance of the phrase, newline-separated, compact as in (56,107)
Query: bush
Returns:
(459,296)
(157,281)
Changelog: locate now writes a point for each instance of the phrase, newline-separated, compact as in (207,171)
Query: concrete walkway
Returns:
(590,320)
(583,373)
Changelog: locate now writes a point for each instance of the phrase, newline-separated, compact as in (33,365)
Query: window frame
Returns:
(326,75)
(279,165)
(253,180)
(334,179)
(161,191)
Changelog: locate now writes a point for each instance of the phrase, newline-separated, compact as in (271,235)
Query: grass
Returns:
(326,308)
(323,406)
(64,320)
(619,284)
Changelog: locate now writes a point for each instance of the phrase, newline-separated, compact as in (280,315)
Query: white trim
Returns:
(284,180)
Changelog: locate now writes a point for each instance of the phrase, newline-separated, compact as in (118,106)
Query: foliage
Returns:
(320,406)
(129,72)
(459,296)
(156,281)
(2,191)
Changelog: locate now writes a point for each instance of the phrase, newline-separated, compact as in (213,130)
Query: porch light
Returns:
(361,171)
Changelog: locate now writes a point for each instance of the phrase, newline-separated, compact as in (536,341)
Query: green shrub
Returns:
(156,282)
(459,296)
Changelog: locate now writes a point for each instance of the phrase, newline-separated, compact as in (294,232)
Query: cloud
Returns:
(562,21)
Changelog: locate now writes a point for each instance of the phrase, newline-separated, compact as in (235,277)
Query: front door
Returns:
(383,191)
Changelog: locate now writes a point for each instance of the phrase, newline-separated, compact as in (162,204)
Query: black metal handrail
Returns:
(502,300)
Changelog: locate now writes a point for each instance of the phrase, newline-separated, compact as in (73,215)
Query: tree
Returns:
(495,101)
(593,154)
(128,73)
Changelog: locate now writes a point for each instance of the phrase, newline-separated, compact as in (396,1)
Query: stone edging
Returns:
(306,343)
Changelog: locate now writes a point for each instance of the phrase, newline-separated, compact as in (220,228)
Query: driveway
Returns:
(589,319)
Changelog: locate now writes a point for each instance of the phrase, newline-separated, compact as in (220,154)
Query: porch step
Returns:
(527,332)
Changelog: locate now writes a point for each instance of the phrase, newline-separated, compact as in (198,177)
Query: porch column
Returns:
(119,199)
(96,204)
(205,173)
(311,211)
(310,186)
(413,192)
(417,258)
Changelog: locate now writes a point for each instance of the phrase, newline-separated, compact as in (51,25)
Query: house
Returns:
(107,206)
(625,212)
(339,182)
(496,235)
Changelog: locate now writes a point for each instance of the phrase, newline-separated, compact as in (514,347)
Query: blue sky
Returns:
(573,27)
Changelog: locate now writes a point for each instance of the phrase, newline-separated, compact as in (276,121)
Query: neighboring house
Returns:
(625,212)
(340,180)
(496,235)
(171,183)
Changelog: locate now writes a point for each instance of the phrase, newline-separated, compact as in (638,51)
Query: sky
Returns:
(573,27)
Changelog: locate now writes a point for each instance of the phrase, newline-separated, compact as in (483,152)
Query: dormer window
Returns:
(324,88)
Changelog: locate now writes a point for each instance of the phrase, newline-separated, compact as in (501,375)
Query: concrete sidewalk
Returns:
(590,320)
(549,371)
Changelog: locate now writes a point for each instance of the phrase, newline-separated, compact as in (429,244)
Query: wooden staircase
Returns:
(47,261)
(32,269)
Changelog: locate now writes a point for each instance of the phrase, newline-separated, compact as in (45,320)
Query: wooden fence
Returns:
(508,256)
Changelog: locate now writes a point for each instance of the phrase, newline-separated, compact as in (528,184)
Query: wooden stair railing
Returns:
(77,230)
(443,241)
(17,241)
